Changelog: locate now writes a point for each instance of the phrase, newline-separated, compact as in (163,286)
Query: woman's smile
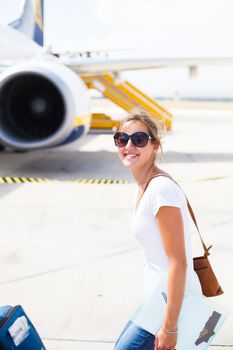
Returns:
(130,155)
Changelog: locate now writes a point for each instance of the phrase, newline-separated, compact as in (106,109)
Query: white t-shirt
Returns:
(161,191)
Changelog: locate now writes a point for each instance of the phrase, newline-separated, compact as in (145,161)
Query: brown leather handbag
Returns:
(209,283)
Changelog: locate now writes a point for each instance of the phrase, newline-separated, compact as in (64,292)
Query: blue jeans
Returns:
(135,338)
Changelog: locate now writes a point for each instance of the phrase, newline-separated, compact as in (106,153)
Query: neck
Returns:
(142,175)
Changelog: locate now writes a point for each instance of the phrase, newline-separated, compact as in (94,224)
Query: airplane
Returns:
(44,99)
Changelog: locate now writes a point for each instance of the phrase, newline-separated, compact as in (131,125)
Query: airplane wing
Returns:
(89,65)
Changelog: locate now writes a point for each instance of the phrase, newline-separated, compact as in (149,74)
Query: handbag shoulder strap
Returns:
(206,250)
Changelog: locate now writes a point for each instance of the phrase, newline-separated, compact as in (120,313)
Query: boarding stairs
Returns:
(125,95)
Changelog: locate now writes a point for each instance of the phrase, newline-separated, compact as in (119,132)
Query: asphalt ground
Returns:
(67,254)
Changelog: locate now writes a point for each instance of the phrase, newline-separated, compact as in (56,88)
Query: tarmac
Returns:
(67,254)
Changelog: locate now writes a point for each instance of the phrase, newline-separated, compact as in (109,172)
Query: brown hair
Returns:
(144,117)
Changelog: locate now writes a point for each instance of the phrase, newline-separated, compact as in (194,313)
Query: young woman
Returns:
(161,225)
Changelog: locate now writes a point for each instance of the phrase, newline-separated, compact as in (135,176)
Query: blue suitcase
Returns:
(17,331)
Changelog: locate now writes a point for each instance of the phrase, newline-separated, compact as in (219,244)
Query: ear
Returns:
(156,146)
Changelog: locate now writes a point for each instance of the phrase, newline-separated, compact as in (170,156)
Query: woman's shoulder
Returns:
(163,191)
(163,181)
(164,184)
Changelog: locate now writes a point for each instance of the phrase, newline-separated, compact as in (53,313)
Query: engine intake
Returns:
(39,103)
(31,107)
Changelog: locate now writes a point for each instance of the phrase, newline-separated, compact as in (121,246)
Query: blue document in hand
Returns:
(199,321)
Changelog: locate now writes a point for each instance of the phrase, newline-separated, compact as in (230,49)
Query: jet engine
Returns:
(39,103)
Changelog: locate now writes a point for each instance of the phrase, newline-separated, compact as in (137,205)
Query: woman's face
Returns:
(132,156)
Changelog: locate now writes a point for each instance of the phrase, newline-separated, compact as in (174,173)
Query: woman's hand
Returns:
(165,341)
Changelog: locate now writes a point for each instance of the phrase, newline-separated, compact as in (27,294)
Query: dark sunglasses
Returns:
(139,139)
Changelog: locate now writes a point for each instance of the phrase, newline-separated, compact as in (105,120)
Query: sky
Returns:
(159,28)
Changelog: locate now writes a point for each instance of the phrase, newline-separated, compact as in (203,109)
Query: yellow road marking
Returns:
(20,180)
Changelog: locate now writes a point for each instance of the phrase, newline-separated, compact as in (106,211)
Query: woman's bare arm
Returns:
(170,223)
